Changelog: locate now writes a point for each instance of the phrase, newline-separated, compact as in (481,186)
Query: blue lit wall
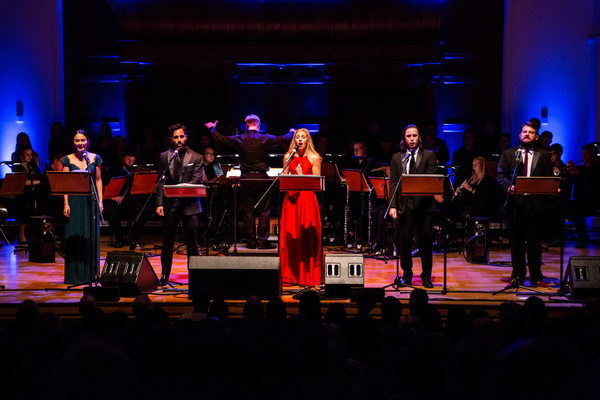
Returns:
(550,61)
(31,72)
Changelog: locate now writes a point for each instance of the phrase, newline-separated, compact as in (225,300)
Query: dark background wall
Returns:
(138,63)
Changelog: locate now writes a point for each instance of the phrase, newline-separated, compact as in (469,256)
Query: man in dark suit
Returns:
(253,148)
(413,211)
(525,213)
(179,165)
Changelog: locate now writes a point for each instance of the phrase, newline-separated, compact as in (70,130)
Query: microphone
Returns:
(85,155)
(407,156)
(174,154)
(294,150)
(519,153)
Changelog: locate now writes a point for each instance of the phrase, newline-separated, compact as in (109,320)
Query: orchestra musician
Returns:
(253,148)
(525,212)
(179,165)
(414,213)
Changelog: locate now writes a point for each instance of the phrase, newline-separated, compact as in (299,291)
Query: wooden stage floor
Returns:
(467,284)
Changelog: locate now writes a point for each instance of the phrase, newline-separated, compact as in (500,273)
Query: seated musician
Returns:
(212,169)
(124,204)
(479,195)
(30,202)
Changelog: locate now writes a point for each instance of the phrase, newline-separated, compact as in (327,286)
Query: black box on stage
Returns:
(343,272)
(130,272)
(41,246)
(100,293)
(478,250)
(582,278)
(235,278)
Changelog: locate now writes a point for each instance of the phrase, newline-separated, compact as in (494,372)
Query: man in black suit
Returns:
(179,165)
(414,211)
(525,213)
(253,148)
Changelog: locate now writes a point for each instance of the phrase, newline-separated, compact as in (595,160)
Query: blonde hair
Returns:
(310,147)
(486,170)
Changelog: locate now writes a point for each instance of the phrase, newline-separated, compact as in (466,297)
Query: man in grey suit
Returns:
(179,165)
(525,212)
(414,211)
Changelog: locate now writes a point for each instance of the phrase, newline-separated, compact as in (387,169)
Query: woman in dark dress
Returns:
(30,201)
(83,230)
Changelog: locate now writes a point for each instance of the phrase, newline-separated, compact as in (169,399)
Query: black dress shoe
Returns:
(163,280)
(427,283)
(582,244)
(406,281)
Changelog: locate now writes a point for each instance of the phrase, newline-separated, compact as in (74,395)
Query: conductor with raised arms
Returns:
(179,164)
(253,148)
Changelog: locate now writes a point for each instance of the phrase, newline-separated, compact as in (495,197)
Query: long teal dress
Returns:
(81,242)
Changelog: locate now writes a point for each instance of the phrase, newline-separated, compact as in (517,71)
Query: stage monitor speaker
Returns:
(41,246)
(130,272)
(478,246)
(343,272)
(582,278)
(235,278)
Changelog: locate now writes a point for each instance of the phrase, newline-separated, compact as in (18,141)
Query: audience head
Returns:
(410,138)
(218,309)
(365,301)
(391,310)
(417,300)
(310,306)
(336,314)
(201,301)
(254,310)
(276,311)
(141,305)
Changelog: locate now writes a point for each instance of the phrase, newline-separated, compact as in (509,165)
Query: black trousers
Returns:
(251,193)
(524,228)
(419,223)
(170,222)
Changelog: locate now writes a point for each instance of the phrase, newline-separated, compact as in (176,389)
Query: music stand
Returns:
(535,185)
(357,182)
(381,186)
(114,187)
(330,171)
(14,185)
(77,183)
(143,183)
(426,185)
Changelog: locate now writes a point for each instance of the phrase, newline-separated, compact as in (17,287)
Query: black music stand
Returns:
(314,183)
(14,185)
(381,186)
(357,182)
(536,185)
(143,183)
(422,185)
(79,183)
(331,172)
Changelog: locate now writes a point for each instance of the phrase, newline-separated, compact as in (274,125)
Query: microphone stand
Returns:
(397,283)
(289,161)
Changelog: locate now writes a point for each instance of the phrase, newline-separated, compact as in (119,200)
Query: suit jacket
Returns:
(426,164)
(540,166)
(191,172)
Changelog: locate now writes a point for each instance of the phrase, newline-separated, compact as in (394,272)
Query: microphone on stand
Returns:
(85,155)
(294,150)
(407,156)
(174,154)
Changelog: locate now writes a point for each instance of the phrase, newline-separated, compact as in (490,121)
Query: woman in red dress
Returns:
(300,236)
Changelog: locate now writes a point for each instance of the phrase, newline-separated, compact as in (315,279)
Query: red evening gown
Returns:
(300,241)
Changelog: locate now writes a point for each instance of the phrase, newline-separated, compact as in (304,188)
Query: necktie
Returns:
(412,166)
(176,169)
(526,164)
